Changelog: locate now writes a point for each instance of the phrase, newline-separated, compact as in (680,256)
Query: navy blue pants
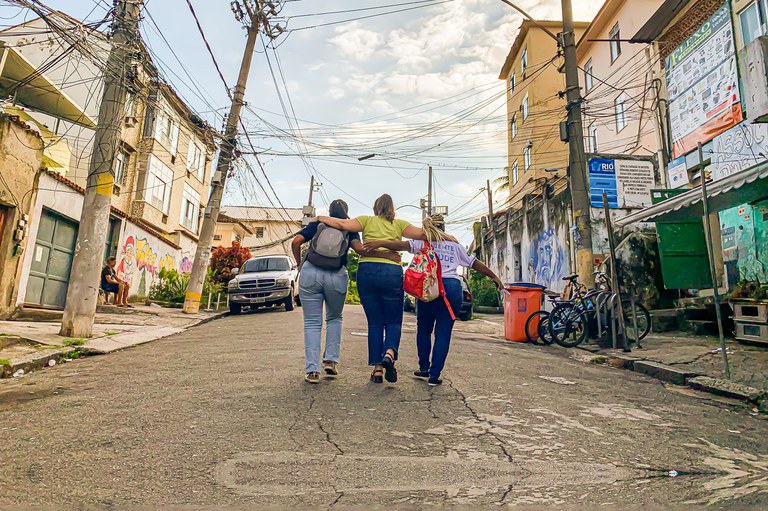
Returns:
(381,292)
(434,316)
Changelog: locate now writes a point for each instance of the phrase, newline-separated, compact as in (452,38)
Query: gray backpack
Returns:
(328,247)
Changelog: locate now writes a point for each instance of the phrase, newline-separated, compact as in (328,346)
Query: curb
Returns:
(682,378)
(42,360)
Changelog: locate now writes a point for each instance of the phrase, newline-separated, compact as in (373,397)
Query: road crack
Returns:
(328,437)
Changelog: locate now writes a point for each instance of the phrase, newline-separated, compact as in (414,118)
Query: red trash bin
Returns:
(520,301)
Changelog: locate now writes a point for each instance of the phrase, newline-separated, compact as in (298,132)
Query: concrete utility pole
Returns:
(429,193)
(577,168)
(311,190)
(490,202)
(83,291)
(203,252)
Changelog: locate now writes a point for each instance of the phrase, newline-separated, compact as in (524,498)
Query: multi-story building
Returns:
(162,167)
(534,107)
(272,228)
(620,108)
(229,230)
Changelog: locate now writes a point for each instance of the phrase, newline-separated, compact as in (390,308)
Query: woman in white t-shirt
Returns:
(434,316)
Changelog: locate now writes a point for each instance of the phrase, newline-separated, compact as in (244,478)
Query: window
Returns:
(752,20)
(588,76)
(515,173)
(130,105)
(527,158)
(592,138)
(621,112)
(513,127)
(121,166)
(196,159)
(259,232)
(266,264)
(159,182)
(217,237)
(615,37)
(524,60)
(167,129)
(524,107)
(190,208)
(512,83)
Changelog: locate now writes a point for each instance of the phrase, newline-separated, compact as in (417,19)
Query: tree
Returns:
(223,259)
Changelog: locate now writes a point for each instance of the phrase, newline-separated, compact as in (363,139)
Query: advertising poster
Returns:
(627,183)
(703,84)
(678,173)
(738,149)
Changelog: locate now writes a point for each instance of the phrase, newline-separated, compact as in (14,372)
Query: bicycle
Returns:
(537,326)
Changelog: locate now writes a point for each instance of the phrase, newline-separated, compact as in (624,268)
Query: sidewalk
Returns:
(33,340)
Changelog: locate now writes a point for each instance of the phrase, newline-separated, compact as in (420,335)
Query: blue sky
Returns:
(415,87)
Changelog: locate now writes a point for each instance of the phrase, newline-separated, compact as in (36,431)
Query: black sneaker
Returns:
(434,381)
(421,373)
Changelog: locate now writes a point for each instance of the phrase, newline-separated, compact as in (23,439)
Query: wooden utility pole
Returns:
(311,190)
(490,201)
(577,168)
(83,290)
(203,252)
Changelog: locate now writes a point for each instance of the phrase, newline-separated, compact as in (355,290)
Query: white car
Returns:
(264,281)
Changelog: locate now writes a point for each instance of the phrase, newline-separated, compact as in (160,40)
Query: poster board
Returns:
(627,183)
(703,84)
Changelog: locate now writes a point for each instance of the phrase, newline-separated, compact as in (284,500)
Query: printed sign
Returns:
(626,183)
(738,149)
(678,173)
(703,84)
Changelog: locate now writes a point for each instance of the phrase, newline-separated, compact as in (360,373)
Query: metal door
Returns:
(682,250)
(51,261)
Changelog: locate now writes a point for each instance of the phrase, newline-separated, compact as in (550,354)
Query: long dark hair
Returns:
(338,209)
(385,206)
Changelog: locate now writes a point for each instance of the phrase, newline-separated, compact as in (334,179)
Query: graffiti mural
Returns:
(547,261)
(185,266)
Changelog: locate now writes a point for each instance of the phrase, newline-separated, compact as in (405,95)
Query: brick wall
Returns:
(692,19)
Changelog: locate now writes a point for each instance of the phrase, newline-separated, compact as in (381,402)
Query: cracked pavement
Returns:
(220,416)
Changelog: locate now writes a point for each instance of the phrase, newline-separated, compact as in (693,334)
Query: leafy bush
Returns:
(223,259)
(170,286)
(353,297)
(484,292)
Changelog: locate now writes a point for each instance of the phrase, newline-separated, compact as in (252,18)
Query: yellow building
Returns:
(272,228)
(617,82)
(534,108)
(230,230)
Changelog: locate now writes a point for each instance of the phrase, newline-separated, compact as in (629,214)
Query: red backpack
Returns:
(424,279)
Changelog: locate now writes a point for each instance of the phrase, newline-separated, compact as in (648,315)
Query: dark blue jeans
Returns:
(431,316)
(381,292)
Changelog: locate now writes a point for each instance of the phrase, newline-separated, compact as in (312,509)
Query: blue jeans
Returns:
(431,316)
(381,292)
(318,286)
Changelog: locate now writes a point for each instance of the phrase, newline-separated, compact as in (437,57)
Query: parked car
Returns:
(264,281)
(465,314)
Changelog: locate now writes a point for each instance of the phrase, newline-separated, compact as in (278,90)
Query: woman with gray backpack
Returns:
(323,279)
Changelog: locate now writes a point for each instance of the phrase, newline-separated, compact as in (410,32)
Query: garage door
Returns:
(51,261)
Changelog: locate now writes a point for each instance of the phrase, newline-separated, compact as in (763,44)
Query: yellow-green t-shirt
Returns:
(378,228)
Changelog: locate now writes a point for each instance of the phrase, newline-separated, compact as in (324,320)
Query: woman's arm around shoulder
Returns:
(348,224)
(414,233)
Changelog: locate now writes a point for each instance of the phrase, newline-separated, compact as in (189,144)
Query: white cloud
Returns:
(357,43)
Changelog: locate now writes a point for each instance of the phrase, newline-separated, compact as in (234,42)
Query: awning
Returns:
(743,187)
(37,92)
(659,21)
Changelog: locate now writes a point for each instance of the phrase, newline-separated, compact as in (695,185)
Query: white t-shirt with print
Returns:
(451,255)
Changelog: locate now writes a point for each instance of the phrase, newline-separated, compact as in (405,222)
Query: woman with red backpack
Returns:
(439,314)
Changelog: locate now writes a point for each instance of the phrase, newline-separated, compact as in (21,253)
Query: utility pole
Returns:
(83,291)
(429,193)
(490,202)
(203,252)
(577,172)
(311,190)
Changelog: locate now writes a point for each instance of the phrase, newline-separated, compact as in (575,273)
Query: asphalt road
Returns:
(220,417)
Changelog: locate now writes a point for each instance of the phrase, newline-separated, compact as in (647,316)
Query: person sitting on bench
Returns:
(110,283)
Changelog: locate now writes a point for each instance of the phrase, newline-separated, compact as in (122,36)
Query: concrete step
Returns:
(700,326)
(8,340)
(663,372)
(664,320)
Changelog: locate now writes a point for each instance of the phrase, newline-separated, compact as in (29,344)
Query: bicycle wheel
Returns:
(533,327)
(643,320)
(568,325)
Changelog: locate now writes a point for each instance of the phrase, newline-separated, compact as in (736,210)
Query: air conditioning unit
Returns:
(753,64)
(130,121)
